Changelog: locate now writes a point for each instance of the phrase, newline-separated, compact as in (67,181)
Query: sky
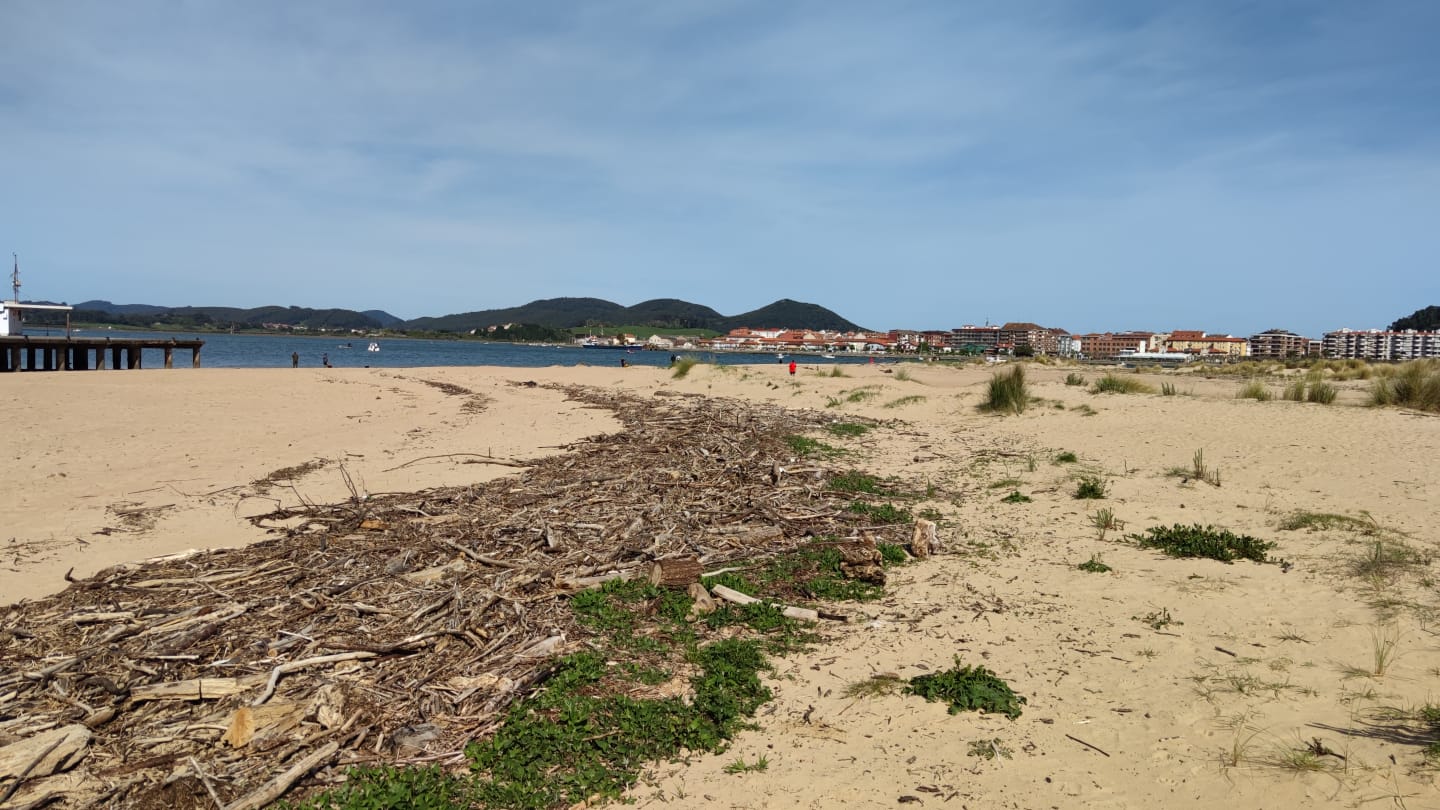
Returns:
(1227,165)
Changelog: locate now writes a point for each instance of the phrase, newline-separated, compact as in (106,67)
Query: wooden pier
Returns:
(36,353)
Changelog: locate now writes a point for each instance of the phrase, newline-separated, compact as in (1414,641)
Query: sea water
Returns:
(223,350)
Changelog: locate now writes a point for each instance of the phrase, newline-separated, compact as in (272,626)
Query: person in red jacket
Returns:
(792,368)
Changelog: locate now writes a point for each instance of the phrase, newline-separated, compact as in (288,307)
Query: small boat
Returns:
(373,347)
(828,356)
(779,355)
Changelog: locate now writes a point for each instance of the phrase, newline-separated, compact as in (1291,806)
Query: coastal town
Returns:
(1023,339)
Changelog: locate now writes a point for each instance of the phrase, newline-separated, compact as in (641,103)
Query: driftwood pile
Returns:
(386,629)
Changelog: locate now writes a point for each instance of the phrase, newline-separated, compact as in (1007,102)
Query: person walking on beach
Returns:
(294,359)
(792,368)
(325,359)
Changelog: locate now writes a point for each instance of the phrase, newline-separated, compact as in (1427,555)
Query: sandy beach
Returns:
(1164,682)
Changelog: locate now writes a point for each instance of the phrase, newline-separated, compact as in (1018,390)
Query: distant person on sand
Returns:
(325,359)
(294,359)
(792,368)
(623,363)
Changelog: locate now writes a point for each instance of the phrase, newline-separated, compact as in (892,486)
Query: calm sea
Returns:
(273,351)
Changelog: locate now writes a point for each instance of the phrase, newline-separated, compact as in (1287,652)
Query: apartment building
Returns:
(1277,344)
(974,338)
(1189,341)
(1376,344)
(1112,344)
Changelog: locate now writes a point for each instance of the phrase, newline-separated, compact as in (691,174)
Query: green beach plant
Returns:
(1255,390)
(1074,379)
(1115,384)
(1204,541)
(1007,392)
(968,688)
(1090,487)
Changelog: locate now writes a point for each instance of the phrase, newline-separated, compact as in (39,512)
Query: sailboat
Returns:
(373,347)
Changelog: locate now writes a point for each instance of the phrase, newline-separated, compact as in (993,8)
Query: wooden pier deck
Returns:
(43,353)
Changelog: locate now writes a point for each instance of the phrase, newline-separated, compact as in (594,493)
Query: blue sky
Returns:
(1221,165)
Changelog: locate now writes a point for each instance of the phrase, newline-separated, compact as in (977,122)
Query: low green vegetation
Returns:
(913,399)
(739,766)
(858,482)
(1074,379)
(806,447)
(1303,390)
(1328,521)
(883,514)
(1204,541)
(1198,470)
(1090,487)
(1094,565)
(1255,390)
(1104,521)
(590,729)
(1412,385)
(1016,497)
(1115,384)
(968,688)
(989,749)
(1007,392)
(1157,619)
(682,367)
(1066,457)
(1167,389)
(849,430)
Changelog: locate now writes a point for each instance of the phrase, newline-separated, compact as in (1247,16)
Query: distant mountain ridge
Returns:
(569,313)
(556,313)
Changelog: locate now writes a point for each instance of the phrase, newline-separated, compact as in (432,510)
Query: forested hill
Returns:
(1422,320)
(566,313)
(553,313)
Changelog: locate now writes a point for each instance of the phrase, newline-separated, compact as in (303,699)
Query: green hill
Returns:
(790,314)
(570,313)
(1421,320)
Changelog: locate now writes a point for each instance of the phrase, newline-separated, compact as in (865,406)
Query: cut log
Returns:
(196,688)
(923,542)
(676,572)
(732,595)
(43,754)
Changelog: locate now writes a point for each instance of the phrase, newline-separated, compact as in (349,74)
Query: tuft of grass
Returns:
(1066,457)
(1255,390)
(856,481)
(1167,389)
(1104,521)
(1095,565)
(1007,392)
(1157,619)
(884,514)
(1074,379)
(806,447)
(848,430)
(1384,560)
(1085,409)
(989,749)
(1321,393)
(1090,487)
(1204,541)
(1016,497)
(968,688)
(683,366)
(1326,521)
(1006,483)
(1294,392)
(835,371)
(740,766)
(913,399)
(1202,471)
(1115,384)
(1412,385)
(886,683)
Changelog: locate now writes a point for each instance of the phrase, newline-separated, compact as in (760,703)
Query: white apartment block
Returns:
(1375,344)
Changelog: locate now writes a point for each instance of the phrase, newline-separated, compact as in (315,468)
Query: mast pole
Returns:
(15,277)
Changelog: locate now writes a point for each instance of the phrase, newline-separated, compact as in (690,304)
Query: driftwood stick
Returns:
(1088,745)
(482,459)
(481,558)
(24,772)
(291,666)
(731,595)
(276,787)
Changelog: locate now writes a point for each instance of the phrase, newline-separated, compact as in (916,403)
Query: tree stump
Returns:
(676,572)
(923,542)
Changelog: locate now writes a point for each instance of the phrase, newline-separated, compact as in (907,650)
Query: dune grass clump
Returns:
(1007,393)
(1074,379)
(683,366)
(1066,457)
(1204,541)
(1310,390)
(1413,385)
(1115,384)
(1090,487)
(1255,390)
